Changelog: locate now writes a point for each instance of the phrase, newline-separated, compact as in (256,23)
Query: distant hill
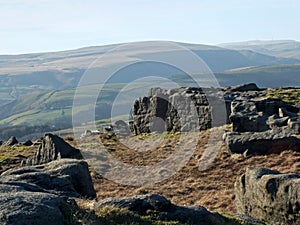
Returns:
(38,89)
(60,70)
(280,48)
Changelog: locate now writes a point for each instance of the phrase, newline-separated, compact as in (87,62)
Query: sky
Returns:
(28,26)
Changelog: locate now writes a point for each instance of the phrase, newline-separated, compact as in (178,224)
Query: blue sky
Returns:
(51,25)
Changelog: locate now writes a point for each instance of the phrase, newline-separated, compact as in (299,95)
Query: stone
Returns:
(275,121)
(41,194)
(259,114)
(175,110)
(22,207)
(269,196)
(261,143)
(166,211)
(245,87)
(52,148)
(122,128)
(65,177)
(11,141)
(27,143)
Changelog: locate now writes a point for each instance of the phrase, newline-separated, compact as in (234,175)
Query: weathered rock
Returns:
(275,121)
(121,128)
(180,109)
(166,211)
(260,114)
(269,196)
(11,141)
(19,207)
(27,143)
(52,148)
(65,177)
(261,143)
(245,87)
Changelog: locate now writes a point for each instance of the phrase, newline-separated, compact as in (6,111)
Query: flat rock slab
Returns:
(261,143)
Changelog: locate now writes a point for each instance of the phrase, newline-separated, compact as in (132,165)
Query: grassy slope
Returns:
(212,188)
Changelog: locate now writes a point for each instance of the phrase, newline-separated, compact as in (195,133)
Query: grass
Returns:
(11,156)
(212,188)
(110,215)
(290,95)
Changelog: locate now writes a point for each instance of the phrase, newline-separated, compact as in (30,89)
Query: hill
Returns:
(280,48)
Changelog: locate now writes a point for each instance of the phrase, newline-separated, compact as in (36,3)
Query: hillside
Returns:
(280,48)
(61,70)
(38,89)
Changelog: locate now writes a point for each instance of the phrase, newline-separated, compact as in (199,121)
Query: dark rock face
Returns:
(11,141)
(181,109)
(52,148)
(166,211)
(27,143)
(269,196)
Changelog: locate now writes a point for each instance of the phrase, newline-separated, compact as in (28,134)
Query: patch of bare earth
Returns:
(212,188)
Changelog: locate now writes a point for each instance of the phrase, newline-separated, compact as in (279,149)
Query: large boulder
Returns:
(261,143)
(269,196)
(65,177)
(20,207)
(166,211)
(52,148)
(41,194)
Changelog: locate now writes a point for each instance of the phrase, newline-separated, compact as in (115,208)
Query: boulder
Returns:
(269,196)
(166,211)
(261,143)
(245,87)
(27,143)
(20,207)
(65,177)
(41,194)
(11,141)
(52,148)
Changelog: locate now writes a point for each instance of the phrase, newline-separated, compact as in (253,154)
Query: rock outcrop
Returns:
(261,125)
(256,115)
(181,109)
(40,194)
(261,143)
(65,177)
(269,196)
(11,141)
(166,211)
(52,148)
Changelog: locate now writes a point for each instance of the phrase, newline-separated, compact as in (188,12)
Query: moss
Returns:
(291,95)
(232,220)
(112,215)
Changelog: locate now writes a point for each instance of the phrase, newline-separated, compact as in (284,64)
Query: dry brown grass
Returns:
(212,188)
(11,156)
